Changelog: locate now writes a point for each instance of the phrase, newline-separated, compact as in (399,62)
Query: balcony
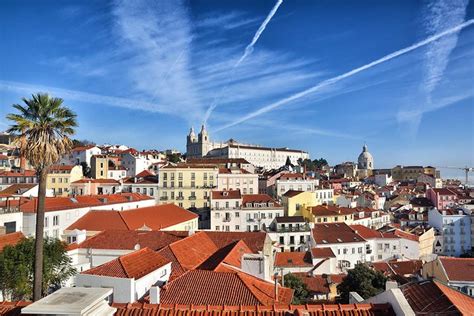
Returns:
(164,198)
(299,229)
(192,197)
(180,198)
(226,219)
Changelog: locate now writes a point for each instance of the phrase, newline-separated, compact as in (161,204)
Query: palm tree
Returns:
(43,126)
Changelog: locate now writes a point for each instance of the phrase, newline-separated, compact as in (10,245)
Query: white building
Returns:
(60,212)
(324,196)
(129,281)
(231,211)
(290,233)
(295,181)
(237,179)
(455,227)
(265,157)
(348,246)
(383,179)
(372,218)
(81,154)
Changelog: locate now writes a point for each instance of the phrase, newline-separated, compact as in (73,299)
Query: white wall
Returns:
(124,289)
(16,217)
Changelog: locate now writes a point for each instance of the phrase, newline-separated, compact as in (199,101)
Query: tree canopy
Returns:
(17,266)
(313,165)
(301,293)
(363,280)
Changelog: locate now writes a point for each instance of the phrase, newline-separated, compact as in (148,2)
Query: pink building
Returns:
(442,198)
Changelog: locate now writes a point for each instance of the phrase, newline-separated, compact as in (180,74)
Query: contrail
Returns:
(351,73)
(249,48)
(247,52)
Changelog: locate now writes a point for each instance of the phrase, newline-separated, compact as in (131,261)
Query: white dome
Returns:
(365,160)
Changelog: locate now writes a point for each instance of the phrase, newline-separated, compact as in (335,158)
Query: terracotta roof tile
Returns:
(18,188)
(223,195)
(191,252)
(254,240)
(458,269)
(82,201)
(142,309)
(200,287)
(293,259)
(258,198)
(429,298)
(153,217)
(292,193)
(133,265)
(319,284)
(10,239)
(128,239)
(333,233)
(322,253)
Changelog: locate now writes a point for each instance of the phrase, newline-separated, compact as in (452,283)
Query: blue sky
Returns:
(142,72)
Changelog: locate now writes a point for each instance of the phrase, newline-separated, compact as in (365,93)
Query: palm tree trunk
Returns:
(39,238)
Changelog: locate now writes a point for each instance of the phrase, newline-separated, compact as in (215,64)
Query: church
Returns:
(264,157)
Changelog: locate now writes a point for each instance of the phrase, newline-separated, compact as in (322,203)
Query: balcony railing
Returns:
(164,198)
(180,198)
(192,197)
(294,229)
(226,219)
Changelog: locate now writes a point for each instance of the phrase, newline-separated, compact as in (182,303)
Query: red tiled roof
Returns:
(330,210)
(25,173)
(368,233)
(10,239)
(12,308)
(293,259)
(258,198)
(127,239)
(322,253)
(444,191)
(406,235)
(191,252)
(145,173)
(292,193)
(133,265)
(333,233)
(201,287)
(429,298)
(60,168)
(319,284)
(154,217)
(230,254)
(224,195)
(458,269)
(81,201)
(82,148)
(142,309)
(100,181)
(464,303)
(287,176)
(231,170)
(254,240)
(17,188)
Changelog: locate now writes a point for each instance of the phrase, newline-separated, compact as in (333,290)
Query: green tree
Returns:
(363,280)
(319,163)
(174,158)
(86,170)
(17,268)
(301,293)
(44,127)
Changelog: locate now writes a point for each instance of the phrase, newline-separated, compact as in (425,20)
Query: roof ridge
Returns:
(123,220)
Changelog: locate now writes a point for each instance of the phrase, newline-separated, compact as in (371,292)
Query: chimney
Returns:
(154,295)
(276,286)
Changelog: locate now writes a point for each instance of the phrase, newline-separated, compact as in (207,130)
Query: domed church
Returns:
(365,163)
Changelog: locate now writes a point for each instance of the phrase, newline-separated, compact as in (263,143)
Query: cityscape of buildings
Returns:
(221,227)
(329,171)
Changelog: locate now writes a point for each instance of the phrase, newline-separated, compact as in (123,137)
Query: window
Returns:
(53,180)
(46,220)
(237,214)
(237,227)
(217,228)
(344,251)
(249,228)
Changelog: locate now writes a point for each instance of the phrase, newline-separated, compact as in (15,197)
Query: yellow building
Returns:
(99,166)
(329,214)
(60,177)
(187,185)
(294,202)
